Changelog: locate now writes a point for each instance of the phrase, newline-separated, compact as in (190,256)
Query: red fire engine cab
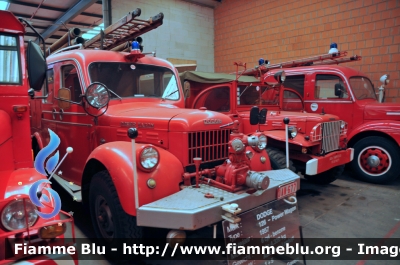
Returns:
(21,68)
(140,158)
(317,142)
(373,125)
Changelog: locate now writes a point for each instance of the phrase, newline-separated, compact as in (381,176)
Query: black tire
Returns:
(326,177)
(384,151)
(278,159)
(120,224)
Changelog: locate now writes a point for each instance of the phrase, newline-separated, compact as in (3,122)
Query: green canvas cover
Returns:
(214,78)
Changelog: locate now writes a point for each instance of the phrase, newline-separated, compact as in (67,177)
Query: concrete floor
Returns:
(347,208)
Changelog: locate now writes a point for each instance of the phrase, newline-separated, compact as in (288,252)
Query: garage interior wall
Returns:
(290,29)
(187,32)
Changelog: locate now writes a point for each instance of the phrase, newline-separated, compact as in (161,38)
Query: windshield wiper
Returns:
(115,94)
(163,98)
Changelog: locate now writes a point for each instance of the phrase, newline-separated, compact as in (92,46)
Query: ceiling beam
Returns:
(36,17)
(67,17)
(31,34)
(63,10)
(16,2)
(81,24)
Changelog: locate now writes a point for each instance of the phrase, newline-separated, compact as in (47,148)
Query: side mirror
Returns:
(254,112)
(262,117)
(36,66)
(64,97)
(97,95)
(280,76)
(257,116)
(338,90)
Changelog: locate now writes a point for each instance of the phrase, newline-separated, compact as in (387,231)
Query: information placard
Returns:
(270,225)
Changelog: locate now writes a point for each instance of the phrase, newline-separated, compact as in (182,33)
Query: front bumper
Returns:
(321,164)
(189,209)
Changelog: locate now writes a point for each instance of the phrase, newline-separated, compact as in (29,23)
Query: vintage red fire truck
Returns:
(317,141)
(183,169)
(373,125)
(21,68)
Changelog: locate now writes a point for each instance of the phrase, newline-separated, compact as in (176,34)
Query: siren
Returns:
(135,53)
(333,48)
(261,61)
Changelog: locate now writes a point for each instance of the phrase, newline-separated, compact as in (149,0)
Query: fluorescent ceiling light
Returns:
(93,32)
(4,5)
(88,36)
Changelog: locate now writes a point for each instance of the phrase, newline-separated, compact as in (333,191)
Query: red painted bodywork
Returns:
(274,127)
(16,166)
(104,144)
(366,116)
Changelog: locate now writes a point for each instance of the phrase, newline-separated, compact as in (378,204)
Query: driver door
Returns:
(216,98)
(73,125)
(327,98)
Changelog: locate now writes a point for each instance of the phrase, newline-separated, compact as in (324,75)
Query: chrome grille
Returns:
(330,136)
(209,145)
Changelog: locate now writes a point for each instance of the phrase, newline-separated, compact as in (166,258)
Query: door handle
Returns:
(61,114)
(54,111)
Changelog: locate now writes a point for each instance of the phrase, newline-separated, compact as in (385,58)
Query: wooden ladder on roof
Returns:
(324,59)
(128,28)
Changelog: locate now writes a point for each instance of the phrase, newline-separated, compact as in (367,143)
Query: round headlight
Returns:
(342,125)
(292,131)
(97,95)
(14,216)
(252,140)
(237,145)
(262,142)
(149,158)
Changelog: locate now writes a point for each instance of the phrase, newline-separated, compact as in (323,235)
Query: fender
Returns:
(389,127)
(116,157)
(36,135)
(18,181)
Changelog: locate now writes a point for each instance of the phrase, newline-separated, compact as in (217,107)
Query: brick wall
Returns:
(290,29)
(187,31)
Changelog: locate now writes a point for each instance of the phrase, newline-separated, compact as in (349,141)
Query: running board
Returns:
(74,190)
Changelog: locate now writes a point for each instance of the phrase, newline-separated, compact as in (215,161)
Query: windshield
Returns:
(257,95)
(362,87)
(10,71)
(135,80)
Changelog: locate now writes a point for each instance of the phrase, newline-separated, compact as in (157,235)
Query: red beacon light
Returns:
(135,53)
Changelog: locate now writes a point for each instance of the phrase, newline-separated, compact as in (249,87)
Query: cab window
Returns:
(70,80)
(330,87)
(9,59)
(217,99)
(295,82)
(48,90)
(292,101)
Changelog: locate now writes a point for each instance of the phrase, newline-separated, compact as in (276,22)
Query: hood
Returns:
(382,111)
(163,117)
(305,121)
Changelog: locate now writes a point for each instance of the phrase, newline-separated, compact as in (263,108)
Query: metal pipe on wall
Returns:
(107,20)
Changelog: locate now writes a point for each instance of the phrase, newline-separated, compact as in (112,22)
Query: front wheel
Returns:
(374,159)
(326,177)
(109,219)
(278,159)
